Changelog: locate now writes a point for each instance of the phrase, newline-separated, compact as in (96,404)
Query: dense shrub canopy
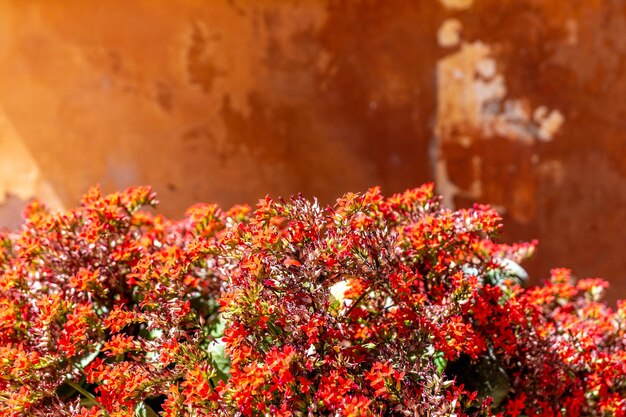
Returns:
(374,307)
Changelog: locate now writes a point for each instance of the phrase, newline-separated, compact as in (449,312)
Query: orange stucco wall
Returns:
(517,103)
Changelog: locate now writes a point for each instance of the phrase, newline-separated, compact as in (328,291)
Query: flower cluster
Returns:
(367,308)
(105,308)
(577,366)
(377,306)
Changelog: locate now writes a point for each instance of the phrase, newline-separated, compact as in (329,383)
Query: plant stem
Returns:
(356,303)
(85,393)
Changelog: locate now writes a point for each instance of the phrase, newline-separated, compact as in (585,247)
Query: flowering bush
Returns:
(374,307)
(105,307)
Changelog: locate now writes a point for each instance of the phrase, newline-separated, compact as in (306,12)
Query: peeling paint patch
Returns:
(472,97)
(549,122)
(457,4)
(449,191)
(473,105)
(449,33)
(446,188)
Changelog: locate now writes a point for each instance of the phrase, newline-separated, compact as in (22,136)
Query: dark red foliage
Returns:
(374,307)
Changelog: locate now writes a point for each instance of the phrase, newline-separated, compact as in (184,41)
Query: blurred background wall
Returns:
(516,103)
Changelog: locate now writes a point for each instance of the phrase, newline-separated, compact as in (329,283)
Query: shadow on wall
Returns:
(516,103)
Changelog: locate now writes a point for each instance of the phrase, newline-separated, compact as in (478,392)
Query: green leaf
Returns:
(144,410)
(440,362)
(220,359)
(335,305)
(87,359)
(218,326)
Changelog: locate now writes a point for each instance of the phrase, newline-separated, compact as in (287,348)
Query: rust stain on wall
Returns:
(553,161)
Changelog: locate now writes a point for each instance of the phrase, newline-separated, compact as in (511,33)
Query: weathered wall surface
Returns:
(517,103)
